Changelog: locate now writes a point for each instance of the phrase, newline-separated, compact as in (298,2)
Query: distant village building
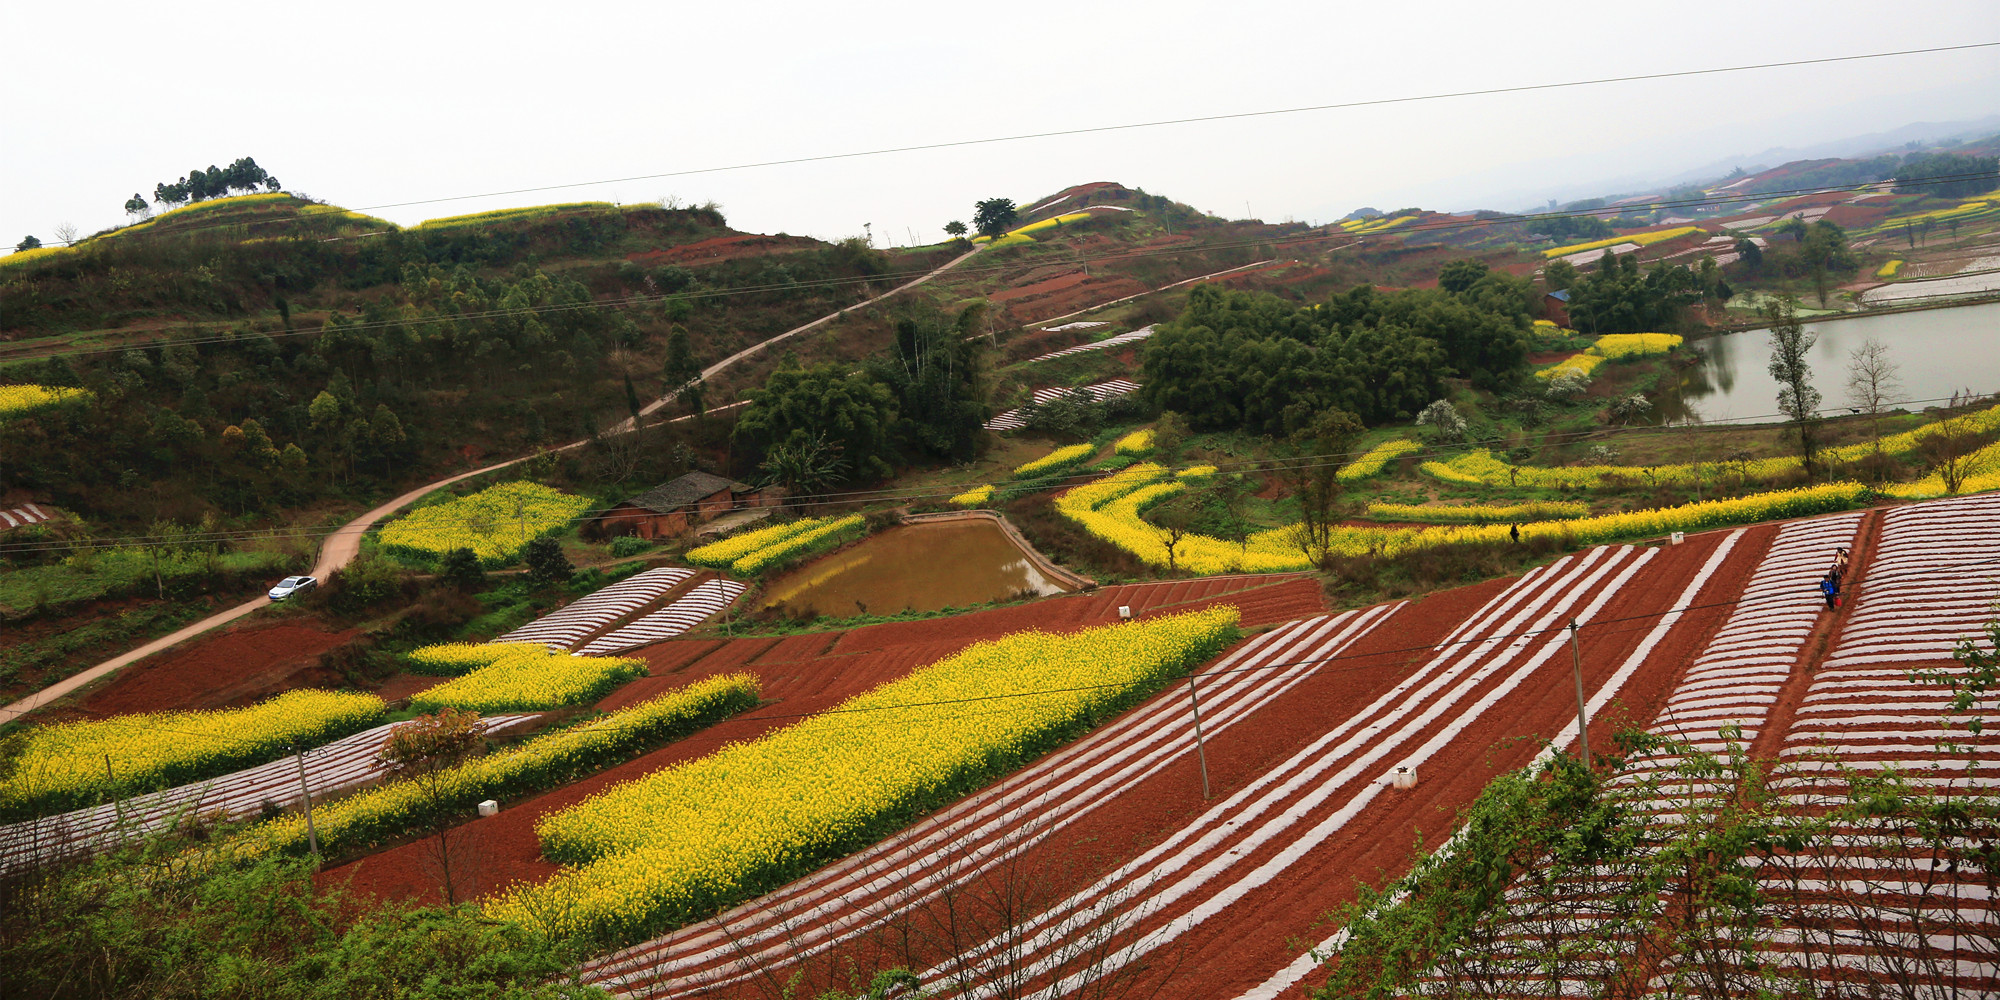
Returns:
(1555,307)
(673,507)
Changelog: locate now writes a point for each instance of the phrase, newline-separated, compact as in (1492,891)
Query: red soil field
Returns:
(1042,287)
(801,674)
(1856,216)
(1240,947)
(1246,942)
(720,248)
(1263,930)
(224,670)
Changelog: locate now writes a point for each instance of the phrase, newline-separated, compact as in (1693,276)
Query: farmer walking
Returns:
(1829,587)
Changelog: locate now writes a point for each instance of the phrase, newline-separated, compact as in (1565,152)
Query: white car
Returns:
(292,585)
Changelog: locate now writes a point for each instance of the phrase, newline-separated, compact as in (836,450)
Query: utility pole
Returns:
(312,835)
(1582,712)
(111,783)
(1200,748)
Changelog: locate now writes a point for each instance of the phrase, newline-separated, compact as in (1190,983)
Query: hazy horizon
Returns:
(443,106)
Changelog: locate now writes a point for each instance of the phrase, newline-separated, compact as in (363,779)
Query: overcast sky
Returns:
(373,104)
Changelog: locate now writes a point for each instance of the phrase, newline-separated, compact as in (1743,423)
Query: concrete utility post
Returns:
(1200,749)
(312,835)
(1582,710)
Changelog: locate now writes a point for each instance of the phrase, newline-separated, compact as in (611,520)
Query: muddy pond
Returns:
(913,567)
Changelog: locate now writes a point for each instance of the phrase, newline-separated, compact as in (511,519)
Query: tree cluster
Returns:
(244,176)
(1620,297)
(1948,175)
(1254,361)
(1579,228)
(252,423)
(817,427)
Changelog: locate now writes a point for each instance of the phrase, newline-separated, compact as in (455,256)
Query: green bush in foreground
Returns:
(124,927)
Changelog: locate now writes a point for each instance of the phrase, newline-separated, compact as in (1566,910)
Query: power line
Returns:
(1190,120)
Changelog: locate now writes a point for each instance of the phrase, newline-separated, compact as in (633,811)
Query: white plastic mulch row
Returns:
(1694,595)
(1082,324)
(334,768)
(861,894)
(707,598)
(1109,342)
(1932,583)
(22,516)
(1735,680)
(1013,420)
(1201,870)
(565,627)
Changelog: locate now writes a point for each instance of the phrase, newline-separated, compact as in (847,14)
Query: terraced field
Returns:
(1309,729)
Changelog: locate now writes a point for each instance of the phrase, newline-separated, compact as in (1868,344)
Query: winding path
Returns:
(341,546)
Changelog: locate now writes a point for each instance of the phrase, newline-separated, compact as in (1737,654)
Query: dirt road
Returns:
(340,547)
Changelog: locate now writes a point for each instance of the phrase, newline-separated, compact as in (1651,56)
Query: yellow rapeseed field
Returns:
(1110,509)
(1643,239)
(450,659)
(1138,442)
(718,555)
(978,496)
(1479,467)
(673,846)
(67,765)
(527,677)
(495,523)
(1061,458)
(17,400)
(387,812)
(1582,364)
(1539,510)
(1376,459)
(823,536)
(1620,346)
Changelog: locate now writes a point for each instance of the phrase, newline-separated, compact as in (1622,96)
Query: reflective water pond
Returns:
(1941,351)
(913,567)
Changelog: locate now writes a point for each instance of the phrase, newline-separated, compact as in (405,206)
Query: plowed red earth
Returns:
(1226,968)
(1238,948)
(801,675)
(224,670)
(721,248)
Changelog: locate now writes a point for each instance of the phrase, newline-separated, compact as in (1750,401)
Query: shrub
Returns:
(546,562)
(629,545)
